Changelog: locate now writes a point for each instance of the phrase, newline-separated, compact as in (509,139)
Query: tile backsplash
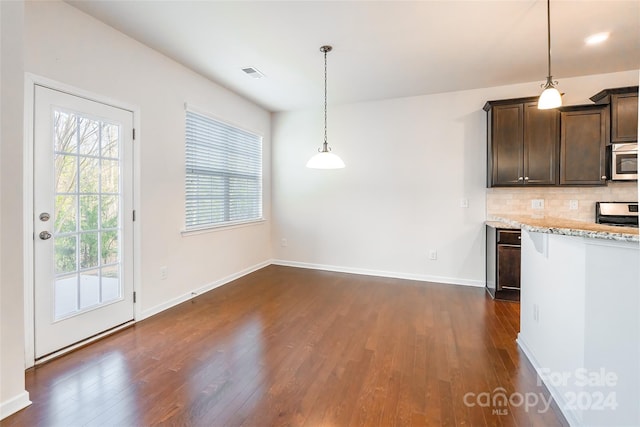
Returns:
(558,202)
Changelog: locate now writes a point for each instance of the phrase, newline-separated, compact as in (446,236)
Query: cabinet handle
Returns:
(526,178)
(519,178)
(603,177)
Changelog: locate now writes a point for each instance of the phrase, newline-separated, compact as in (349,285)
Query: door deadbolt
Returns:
(45,235)
(44,216)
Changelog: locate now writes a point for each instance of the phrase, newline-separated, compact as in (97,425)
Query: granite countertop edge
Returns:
(550,228)
(495,223)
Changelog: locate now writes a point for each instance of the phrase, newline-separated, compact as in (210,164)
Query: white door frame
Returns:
(31,80)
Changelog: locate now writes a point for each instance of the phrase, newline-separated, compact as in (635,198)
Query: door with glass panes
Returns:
(83,204)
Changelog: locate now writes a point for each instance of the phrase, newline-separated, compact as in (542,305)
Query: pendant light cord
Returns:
(548,38)
(325,147)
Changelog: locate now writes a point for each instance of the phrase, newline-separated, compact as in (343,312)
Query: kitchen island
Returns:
(580,316)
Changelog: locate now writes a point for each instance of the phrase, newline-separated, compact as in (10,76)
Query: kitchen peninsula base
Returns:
(580,324)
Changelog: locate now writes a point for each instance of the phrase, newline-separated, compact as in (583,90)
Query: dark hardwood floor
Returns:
(294,347)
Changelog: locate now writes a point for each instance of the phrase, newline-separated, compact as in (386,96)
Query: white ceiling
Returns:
(381,49)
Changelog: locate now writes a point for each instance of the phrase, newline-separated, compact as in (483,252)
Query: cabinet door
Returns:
(508,267)
(582,146)
(540,145)
(506,144)
(624,117)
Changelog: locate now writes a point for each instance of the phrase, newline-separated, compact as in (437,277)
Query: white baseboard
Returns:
(569,415)
(189,295)
(380,273)
(13,405)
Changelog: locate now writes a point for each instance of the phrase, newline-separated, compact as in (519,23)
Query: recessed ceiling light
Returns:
(253,72)
(596,38)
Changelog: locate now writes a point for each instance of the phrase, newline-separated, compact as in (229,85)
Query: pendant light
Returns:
(550,97)
(325,159)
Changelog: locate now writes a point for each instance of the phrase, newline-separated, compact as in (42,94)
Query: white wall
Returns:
(92,56)
(12,393)
(409,162)
(67,46)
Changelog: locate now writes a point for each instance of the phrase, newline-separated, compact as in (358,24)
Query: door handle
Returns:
(44,235)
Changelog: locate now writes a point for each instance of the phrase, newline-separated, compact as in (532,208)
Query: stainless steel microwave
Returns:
(624,161)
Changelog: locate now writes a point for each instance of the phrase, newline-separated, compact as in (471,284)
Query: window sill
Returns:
(221,227)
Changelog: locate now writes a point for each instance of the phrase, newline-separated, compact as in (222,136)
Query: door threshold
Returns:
(80,344)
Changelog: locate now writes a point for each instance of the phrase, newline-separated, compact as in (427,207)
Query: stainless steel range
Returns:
(623,214)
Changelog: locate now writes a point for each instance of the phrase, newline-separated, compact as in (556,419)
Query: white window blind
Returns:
(224,173)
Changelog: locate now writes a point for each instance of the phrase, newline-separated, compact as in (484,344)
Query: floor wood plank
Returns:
(294,347)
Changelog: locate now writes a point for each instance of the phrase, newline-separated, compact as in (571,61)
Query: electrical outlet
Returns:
(283,243)
(573,205)
(163,272)
(464,203)
(537,204)
(433,254)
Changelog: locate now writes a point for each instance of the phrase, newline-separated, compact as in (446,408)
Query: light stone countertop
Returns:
(501,224)
(566,227)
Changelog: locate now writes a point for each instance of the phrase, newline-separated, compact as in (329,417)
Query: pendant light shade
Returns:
(325,159)
(550,97)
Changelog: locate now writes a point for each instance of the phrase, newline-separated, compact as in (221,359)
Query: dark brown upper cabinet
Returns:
(623,103)
(522,143)
(584,131)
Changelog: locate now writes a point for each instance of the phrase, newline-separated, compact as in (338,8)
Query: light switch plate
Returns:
(537,204)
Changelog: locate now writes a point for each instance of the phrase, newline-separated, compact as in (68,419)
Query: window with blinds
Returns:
(223,173)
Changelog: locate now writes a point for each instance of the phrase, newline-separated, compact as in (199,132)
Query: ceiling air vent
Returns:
(253,72)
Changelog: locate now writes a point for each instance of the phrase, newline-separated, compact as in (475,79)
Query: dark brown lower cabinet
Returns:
(503,263)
